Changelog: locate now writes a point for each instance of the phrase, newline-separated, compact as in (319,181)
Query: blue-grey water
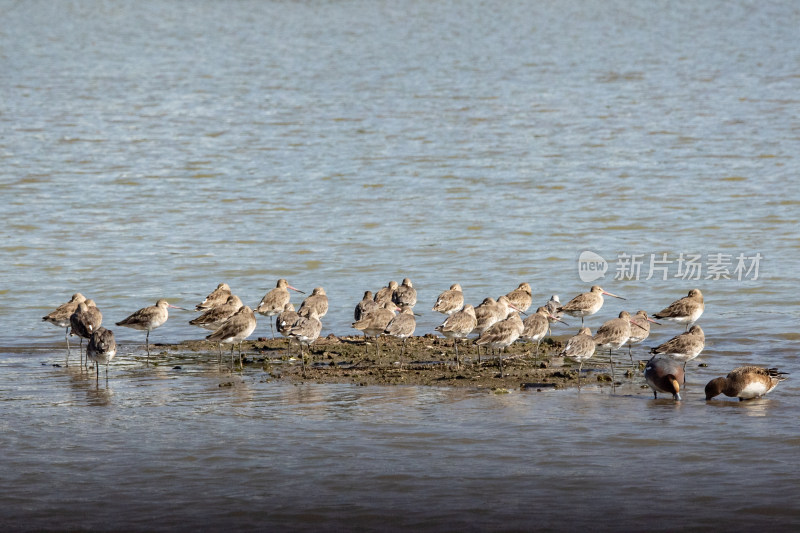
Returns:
(155,149)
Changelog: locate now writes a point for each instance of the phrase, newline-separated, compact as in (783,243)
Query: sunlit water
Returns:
(155,149)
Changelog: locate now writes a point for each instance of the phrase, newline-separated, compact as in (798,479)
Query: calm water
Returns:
(155,149)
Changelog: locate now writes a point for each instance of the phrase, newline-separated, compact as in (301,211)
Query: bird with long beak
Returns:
(613,334)
(273,303)
(587,303)
(687,310)
(640,329)
(537,326)
(149,318)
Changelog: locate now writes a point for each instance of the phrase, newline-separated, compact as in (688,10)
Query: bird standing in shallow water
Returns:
(687,310)
(683,347)
(149,318)
(745,383)
(85,321)
(580,348)
(236,329)
(613,334)
(101,349)
(664,374)
(61,315)
(640,330)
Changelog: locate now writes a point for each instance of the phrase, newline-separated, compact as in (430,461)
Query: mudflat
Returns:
(425,360)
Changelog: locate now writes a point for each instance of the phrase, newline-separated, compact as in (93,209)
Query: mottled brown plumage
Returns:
(450,301)
(521,297)
(640,330)
(405,295)
(613,334)
(486,315)
(286,320)
(316,303)
(366,305)
(236,329)
(683,347)
(273,303)
(745,383)
(147,319)
(687,310)
(375,323)
(502,334)
(101,349)
(580,348)
(587,303)
(217,297)
(306,330)
(60,316)
(85,321)
(386,294)
(213,318)
(535,327)
(402,326)
(458,326)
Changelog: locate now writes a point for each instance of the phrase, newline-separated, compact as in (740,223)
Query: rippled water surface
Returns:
(155,149)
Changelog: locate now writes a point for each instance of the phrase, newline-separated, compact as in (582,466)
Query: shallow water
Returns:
(152,151)
(193,448)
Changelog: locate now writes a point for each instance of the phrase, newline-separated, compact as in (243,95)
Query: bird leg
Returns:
(147,342)
(611,360)
(66,336)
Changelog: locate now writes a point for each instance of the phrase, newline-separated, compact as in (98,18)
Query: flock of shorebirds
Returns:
(497,324)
